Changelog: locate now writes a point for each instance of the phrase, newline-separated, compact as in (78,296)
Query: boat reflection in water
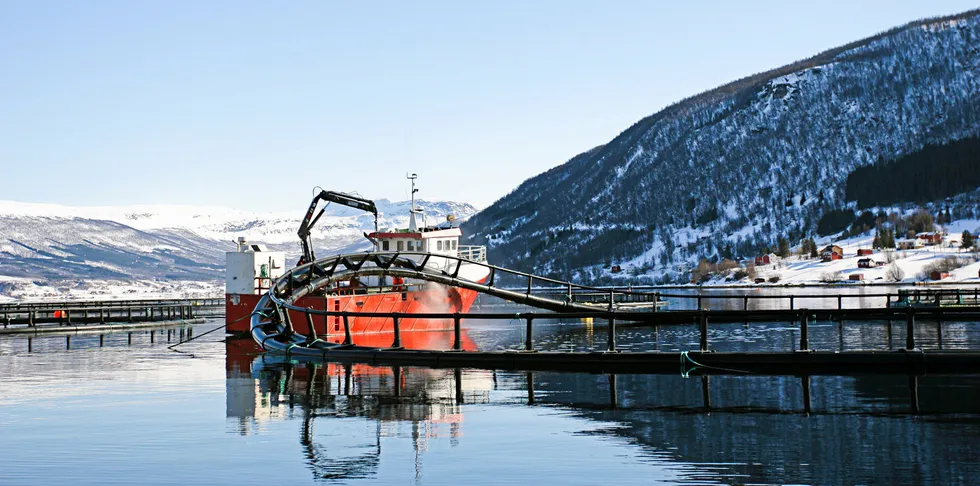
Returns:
(735,428)
(265,387)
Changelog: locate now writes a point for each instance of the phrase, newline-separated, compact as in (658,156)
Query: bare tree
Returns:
(894,273)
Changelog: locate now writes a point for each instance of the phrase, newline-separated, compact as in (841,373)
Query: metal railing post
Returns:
(309,322)
(528,335)
(397,343)
(910,330)
(457,333)
(348,340)
(703,324)
(804,341)
(611,331)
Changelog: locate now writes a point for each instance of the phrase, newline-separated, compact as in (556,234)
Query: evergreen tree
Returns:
(813,249)
(877,241)
(889,240)
(967,239)
(782,245)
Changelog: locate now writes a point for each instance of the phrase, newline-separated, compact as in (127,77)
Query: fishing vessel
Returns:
(252,269)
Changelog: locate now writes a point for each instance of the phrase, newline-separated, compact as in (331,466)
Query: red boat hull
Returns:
(434,298)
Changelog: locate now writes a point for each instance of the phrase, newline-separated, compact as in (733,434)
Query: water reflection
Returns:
(734,429)
(329,394)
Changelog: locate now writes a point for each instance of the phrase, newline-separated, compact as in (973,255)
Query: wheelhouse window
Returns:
(401,245)
(439,245)
(384,245)
(411,245)
(454,244)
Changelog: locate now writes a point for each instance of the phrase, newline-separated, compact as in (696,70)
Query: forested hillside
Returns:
(728,172)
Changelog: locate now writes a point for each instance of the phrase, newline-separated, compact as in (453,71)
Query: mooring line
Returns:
(685,358)
(209,332)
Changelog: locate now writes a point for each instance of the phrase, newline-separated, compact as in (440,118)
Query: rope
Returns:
(198,336)
(215,329)
(685,359)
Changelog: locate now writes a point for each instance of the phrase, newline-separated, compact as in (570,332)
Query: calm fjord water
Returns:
(124,413)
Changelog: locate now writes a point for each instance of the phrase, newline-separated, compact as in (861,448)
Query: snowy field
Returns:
(796,271)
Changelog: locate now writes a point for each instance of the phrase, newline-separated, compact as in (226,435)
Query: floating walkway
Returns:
(52,316)
(272,329)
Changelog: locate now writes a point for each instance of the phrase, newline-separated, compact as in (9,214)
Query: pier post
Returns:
(102,315)
(699,300)
(101,340)
(152,336)
(129,339)
(528,335)
(68,342)
(745,302)
(31,315)
(804,341)
(129,314)
(397,343)
(910,330)
(30,344)
(348,340)
(67,314)
(792,304)
(703,324)
(840,304)
(457,333)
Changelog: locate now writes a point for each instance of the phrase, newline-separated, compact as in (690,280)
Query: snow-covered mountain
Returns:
(728,171)
(45,241)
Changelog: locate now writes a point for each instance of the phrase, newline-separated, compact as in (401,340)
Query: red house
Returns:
(937,275)
(856,276)
(931,238)
(615,269)
(762,260)
(865,252)
(829,256)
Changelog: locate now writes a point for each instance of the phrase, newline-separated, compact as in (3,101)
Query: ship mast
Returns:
(413,224)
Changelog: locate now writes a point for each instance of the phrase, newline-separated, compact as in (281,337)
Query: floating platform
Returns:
(42,316)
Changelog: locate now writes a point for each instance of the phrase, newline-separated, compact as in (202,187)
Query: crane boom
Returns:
(309,221)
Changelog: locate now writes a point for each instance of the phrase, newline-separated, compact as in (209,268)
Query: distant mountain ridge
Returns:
(728,171)
(47,241)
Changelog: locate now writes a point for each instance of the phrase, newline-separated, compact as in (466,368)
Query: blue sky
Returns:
(251,104)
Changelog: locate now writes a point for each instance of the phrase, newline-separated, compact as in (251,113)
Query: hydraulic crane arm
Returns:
(309,221)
